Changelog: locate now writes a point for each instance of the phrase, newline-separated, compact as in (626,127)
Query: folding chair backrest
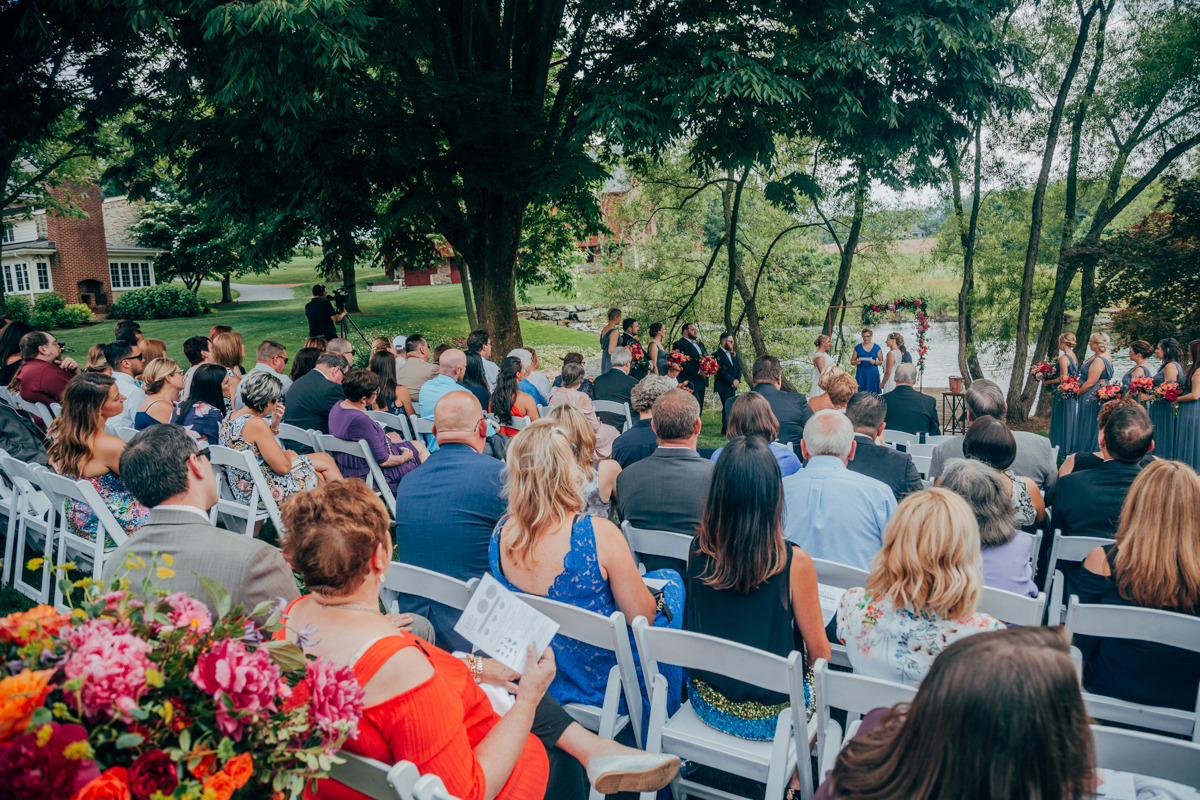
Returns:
(856,694)
(38,409)
(407,579)
(667,544)
(56,410)
(1147,754)
(1072,548)
(923,464)
(220,456)
(899,437)
(936,440)
(721,656)
(1013,608)
(374,778)
(420,425)
(294,433)
(842,576)
(918,450)
(375,478)
(396,422)
(430,787)
(125,434)
(84,492)
(1054,454)
(29,507)
(610,407)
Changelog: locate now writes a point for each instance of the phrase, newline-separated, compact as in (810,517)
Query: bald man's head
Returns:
(458,419)
(453,363)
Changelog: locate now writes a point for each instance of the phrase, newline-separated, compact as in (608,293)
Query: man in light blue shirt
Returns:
(451,367)
(526,385)
(830,512)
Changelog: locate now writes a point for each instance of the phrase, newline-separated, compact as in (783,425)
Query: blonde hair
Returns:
(227,350)
(840,389)
(1158,539)
(544,484)
(380,343)
(156,373)
(574,425)
(96,361)
(318,343)
(153,349)
(1101,339)
(930,559)
(1068,339)
(828,376)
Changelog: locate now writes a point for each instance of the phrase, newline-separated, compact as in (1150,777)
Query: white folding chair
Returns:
(841,576)
(125,434)
(407,579)
(374,778)
(610,407)
(396,422)
(789,445)
(542,410)
(1012,608)
(72,547)
(1054,454)
(56,410)
(39,409)
(228,505)
(936,440)
(1147,754)
(899,437)
(922,463)
(376,481)
(420,425)
(919,450)
(31,521)
(607,633)
(294,433)
(646,542)
(687,736)
(1071,549)
(855,694)
(1143,625)
(430,787)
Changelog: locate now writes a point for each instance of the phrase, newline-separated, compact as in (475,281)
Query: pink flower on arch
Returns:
(243,683)
(336,697)
(917,301)
(112,664)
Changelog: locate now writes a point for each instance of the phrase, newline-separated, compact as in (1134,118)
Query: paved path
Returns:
(250,293)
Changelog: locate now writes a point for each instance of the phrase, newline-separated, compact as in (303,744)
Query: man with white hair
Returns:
(615,386)
(525,385)
(829,511)
(909,410)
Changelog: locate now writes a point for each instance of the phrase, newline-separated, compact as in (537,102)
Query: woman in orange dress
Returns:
(507,400)
(422,704)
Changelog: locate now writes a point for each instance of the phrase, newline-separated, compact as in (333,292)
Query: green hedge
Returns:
(17,307)
(164,301)
(52,302)
(73,316)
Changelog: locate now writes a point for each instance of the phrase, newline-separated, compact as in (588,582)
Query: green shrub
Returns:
(50,301)
(164,301)
(17,307)
(42,320)
(73,316)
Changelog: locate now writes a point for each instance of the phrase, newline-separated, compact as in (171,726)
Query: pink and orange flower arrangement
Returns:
(1044,371)
(1142,385)
(708,366)
(1067,388)
(145,696)
(1108,392)
(676,359)
(1167,391)
(638,354)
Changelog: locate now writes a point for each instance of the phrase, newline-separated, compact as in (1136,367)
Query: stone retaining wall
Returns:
(579,317)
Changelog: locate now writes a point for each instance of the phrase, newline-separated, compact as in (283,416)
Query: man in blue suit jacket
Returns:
(447,509)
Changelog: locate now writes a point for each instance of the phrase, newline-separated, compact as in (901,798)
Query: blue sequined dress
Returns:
(583,669)
(1163,415)
(1063,414)
(1087,430)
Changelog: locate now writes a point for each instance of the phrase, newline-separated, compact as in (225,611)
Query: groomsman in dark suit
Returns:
(728,375)
(693,348)
(629,335)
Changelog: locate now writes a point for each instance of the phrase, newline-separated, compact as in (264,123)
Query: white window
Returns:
(22,273)
(43,276)
(8,284)
(9,235)
(130,275)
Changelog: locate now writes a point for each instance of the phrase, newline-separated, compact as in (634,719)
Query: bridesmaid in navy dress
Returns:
(866,358)
(1163,414)
(1139,351)
(1063,412)
(1096,370)
(1187,431)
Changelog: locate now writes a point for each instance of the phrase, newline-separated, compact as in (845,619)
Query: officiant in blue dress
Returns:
(867,358)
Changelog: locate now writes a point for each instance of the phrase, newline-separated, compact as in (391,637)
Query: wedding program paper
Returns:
(499,624)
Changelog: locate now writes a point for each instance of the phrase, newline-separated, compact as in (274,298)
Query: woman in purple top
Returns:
(1006,551)
(348,420)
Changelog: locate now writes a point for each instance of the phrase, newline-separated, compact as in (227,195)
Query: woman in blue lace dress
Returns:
(866,359)
(247,429)
(1096,371)
(1162,414)
(81,449)
(545,547)
(1187,430)
(1063,412)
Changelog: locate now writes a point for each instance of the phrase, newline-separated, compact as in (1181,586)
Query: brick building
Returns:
(89,260)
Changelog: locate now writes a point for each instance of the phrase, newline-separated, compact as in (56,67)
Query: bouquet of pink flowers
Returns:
(147,696)
(639,355)
(676,359)
(708,366)
(1167,391)
(1068,388)
(1043,371)
(1141,386)
(1108,392)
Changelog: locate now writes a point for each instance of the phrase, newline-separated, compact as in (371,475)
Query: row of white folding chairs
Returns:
(379,781)
(46,413)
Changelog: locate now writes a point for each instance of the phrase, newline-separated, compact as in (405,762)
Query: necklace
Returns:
(350,606)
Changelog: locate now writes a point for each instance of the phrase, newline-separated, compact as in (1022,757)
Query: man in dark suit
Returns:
(313,395)
(909,410)
(666,491)
(790,408)
(449,510)
(629,335)
(693,348)
(866,412)
(615,387)
(728,375)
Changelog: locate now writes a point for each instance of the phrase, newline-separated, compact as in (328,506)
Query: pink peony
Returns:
(243,683)
(917,302)
(187,612)
(112,664)
(336,697)
(891,306)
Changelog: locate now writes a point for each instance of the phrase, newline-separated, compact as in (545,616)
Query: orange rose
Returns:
(219,787)
(20,696)
(113,784)
(23,627)
(204,767)
(240,768)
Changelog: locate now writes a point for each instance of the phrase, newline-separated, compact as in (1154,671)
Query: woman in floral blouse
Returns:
(921,595)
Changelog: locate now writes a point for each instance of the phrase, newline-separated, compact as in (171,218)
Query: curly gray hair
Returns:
(260,389)
(983,489)
(648,390)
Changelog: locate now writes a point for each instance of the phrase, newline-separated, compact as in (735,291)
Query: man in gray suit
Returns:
(1035,458)
(666,491)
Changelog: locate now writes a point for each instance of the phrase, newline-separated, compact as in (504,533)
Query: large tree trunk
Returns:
(468,300)
(1016,408)
(491,252)
(226,289)
(968,358)
(848,248)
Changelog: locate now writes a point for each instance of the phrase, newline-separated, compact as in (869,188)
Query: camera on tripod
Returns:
(339,297)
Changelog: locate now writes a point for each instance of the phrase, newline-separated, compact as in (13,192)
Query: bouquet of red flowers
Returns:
(1043,371)
(144,696)
(708,366)
(639,355)
(1141,386)
(1108,392)
(1068,389)
(676,359)
(1168,391)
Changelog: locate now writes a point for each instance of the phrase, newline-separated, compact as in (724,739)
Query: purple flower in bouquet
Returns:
(112,664)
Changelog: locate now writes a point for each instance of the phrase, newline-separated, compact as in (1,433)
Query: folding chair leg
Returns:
(658,718)
(778,774)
